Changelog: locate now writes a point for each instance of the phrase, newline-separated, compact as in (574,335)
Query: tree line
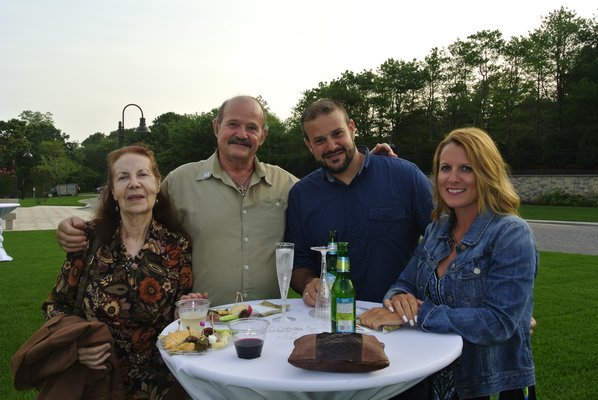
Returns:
(537,95)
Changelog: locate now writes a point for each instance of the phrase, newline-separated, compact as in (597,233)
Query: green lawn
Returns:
(565,351)
(584,214)
(55,201)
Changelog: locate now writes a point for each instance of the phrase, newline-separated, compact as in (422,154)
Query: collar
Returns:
(366,162)
(212,168)
(475,231)
(153,232)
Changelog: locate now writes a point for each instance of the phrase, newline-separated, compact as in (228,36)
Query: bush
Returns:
(560,198)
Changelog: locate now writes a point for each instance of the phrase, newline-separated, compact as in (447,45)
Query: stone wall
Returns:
(530,186)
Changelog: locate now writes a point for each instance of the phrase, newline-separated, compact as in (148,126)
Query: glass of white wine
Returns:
(192,312)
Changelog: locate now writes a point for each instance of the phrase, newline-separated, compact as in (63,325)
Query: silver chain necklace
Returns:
(242,188)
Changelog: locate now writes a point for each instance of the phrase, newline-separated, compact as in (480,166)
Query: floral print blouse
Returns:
(135,297)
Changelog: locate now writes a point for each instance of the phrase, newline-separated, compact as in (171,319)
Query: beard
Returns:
(338,168)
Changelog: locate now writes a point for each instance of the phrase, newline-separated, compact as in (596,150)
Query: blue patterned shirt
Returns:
(381,213)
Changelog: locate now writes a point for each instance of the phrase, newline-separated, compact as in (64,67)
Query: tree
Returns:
(54,166)
(561,44)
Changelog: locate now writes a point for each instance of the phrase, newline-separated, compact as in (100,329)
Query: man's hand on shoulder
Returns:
(384,149)
(71,234)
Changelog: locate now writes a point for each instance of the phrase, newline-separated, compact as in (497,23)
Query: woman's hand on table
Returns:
(378,317)
(94,357)
(405,305)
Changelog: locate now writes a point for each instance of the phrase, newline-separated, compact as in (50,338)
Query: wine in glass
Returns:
(284,268)
(322,310)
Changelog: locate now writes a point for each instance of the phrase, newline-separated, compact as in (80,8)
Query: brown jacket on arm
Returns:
(48,361)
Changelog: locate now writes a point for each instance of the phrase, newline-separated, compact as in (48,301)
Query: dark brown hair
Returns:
(108,218)
(321,107)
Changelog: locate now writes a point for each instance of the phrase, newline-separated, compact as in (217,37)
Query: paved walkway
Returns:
(565,237)
(47,217)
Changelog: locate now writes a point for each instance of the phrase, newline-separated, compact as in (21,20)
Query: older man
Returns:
(232,205)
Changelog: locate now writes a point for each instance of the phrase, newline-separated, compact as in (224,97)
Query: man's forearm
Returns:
(300,278)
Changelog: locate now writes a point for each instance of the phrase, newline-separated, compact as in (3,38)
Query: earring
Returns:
(116,208)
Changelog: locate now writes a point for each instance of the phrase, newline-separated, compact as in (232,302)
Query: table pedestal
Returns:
(5,209)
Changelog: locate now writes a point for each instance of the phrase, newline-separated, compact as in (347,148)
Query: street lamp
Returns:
(20,178)
(121,125)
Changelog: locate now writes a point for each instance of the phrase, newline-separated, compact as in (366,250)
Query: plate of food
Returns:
(194,342)
(226,314)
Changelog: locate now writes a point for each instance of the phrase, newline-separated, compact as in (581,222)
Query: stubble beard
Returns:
(349,154)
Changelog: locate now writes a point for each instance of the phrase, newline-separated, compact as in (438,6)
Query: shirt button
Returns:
(244,211)
(246,267)
(477,271)
(462,247)
(246,239)
(278,204)
(453,266)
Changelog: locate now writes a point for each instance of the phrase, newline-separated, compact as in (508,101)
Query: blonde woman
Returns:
(472,274)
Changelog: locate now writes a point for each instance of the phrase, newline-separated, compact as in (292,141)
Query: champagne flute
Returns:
(322,310)
(284,268)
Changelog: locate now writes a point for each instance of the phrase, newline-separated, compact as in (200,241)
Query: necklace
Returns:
(242,187)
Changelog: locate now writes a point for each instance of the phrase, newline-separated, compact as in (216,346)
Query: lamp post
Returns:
(121,125)
(20,179)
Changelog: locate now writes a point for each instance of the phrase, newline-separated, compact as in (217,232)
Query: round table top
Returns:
(413,355)
(7,208)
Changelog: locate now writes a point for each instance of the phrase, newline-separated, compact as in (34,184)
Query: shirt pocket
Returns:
(386,214)
(388,223)
(472,282)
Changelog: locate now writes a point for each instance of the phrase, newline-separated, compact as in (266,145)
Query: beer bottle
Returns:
(343,294)
(331,256)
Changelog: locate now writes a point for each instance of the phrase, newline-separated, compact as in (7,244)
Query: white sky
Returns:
(83,61)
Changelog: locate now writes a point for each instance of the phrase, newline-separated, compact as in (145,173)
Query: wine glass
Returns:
(322,310)
(284,268)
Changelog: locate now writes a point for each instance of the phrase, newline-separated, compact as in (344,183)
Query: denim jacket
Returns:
(486,296)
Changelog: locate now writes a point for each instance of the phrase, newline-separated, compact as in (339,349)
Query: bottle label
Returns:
(345,319)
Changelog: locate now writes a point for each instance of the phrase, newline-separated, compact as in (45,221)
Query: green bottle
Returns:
(342,294)
(331,256)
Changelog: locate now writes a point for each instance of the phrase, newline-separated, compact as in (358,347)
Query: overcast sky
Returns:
(83,61)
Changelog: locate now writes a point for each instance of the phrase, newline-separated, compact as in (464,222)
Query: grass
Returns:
(564,345)
(24,284)
(55,201)
(556,213)
(565,352)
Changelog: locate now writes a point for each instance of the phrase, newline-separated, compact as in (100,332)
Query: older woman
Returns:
(141,268)
(472,274)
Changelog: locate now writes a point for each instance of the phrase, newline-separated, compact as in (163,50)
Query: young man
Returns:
(380,205)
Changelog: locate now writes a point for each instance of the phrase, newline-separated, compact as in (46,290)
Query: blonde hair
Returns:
(495,190)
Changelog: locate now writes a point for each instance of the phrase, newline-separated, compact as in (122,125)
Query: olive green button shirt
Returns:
(232,235)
